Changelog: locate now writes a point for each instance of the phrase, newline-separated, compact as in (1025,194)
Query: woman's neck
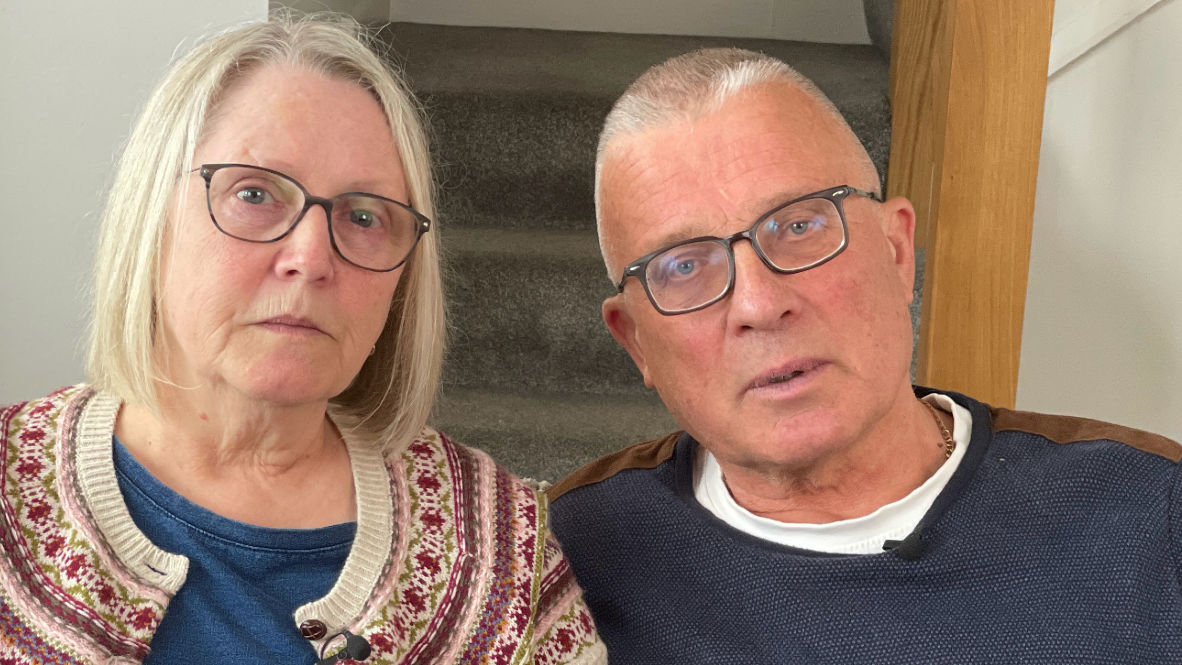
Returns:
(281,466)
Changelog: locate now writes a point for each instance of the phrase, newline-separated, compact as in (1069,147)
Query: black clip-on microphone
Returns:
(356,648)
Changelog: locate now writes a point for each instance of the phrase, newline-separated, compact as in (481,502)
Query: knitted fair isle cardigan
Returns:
(452,561)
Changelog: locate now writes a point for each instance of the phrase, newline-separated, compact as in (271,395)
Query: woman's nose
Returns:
(307,250)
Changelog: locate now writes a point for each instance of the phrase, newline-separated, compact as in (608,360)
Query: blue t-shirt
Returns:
(244,581)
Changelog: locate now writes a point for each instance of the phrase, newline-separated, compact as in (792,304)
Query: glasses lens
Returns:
(688,276)
(373,233)
(253,204)
(801,234)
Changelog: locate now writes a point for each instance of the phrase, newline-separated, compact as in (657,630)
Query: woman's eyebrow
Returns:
(369,187)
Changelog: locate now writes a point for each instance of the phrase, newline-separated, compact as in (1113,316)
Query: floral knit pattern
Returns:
(475,567)
(472,575)
(63,600)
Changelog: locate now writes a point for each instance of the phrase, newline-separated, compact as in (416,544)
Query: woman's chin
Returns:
(288,386)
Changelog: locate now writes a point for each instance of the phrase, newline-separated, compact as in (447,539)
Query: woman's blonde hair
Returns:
(390,398)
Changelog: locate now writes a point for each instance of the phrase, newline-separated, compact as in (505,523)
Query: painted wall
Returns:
(836,21)
(73,73)
(362,10)
(1103,327)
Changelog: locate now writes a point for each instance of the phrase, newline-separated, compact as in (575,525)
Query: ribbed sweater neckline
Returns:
(176,509)
(99,490)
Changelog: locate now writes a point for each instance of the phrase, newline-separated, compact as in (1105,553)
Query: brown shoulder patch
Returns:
(647,455)
(1069,429)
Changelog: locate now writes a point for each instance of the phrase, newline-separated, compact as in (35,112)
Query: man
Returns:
(817,507)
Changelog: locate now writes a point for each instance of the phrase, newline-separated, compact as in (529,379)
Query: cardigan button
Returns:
(313,629)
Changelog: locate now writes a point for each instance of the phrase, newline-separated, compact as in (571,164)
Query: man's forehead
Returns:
(690,178)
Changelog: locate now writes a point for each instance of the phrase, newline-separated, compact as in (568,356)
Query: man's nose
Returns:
(761,298)
(307,250)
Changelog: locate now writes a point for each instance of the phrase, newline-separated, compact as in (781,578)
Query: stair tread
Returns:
(594,64)
(545,436)
(521,243)
(525,311)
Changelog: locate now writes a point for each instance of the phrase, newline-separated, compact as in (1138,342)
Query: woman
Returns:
(248,477)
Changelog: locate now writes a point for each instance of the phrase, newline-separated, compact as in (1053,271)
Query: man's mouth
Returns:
(785,377)
(786,373)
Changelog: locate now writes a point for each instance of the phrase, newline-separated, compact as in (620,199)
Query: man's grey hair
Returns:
(693,85)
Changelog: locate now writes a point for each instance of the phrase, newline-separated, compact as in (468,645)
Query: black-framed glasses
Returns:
(796,236)
(262,205)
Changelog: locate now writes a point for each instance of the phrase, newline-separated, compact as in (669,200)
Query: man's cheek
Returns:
(852,295)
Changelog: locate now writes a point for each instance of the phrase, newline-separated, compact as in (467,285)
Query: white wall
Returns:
(836,21)
(72,75)
(1081,25)
(1103,327)
(362,10)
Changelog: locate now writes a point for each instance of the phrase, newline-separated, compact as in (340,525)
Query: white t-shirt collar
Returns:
(862,535)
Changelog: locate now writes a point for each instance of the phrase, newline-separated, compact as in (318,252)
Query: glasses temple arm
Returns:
(874,196)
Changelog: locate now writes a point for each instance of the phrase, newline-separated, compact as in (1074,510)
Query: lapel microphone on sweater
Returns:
(356,648)
(910,548)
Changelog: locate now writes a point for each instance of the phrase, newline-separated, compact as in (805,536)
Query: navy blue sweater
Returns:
(1057,540)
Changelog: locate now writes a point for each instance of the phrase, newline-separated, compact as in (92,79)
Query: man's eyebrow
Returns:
(760,208)
(770,203)
(693,231)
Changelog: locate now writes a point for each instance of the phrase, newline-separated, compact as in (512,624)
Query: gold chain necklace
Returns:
(949,442)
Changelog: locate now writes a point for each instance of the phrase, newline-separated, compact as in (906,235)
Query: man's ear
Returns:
(623,329)
(898,225)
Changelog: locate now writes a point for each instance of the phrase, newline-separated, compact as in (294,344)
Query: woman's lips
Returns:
(292,325)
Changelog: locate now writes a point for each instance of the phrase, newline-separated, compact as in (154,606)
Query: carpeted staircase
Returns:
(532,374)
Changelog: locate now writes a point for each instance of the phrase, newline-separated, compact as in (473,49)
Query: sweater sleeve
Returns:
(564,630)
(1175,524)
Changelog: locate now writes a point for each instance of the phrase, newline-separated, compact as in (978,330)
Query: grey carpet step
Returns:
(517,112)
(525,314)
(546,437)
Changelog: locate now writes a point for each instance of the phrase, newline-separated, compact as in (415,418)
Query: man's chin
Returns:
(782,440)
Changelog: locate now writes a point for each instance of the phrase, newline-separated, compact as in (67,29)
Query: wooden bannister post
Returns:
(968,83)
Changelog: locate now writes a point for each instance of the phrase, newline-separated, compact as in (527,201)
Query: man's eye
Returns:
(678,268)
(796,227)
(254,195)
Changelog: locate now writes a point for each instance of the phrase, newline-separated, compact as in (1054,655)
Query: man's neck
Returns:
(893,458)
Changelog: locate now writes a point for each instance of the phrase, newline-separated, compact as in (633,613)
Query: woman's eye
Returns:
(364,218)
(254,195)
